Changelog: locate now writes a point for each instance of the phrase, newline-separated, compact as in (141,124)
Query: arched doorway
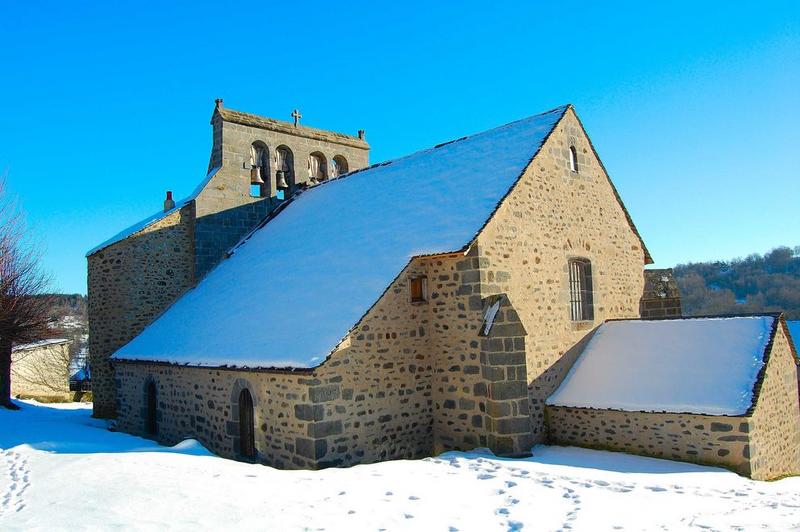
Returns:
(247,441)
(151,421)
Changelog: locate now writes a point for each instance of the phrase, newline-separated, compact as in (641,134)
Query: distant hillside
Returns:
(754,284)
(69,304)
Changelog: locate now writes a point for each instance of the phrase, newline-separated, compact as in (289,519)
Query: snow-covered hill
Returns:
(61,469)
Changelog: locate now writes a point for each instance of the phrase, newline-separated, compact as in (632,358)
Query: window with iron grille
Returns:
(580,290)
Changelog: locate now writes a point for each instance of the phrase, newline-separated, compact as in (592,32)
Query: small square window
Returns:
(418,288)
(255,191)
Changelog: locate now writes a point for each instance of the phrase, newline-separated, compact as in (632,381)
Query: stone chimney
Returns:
(169,203)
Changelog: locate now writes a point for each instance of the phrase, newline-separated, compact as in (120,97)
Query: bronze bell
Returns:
(255,176)
(281,178)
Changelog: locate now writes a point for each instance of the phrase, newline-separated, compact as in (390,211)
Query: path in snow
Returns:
(62,469)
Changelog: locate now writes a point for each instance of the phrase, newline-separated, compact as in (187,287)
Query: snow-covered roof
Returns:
(150,220)
(297,285)
(691,365)
(41,343)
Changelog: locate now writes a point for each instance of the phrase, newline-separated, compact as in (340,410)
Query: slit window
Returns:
(573,159)
(418,289)
(247,443)
(151,399)
(580,290)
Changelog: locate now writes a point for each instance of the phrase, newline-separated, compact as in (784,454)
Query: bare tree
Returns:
(24,310)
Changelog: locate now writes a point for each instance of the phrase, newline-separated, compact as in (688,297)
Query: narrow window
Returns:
(247,442)
(580,290)
(418,287)
(151,423)
(573,159)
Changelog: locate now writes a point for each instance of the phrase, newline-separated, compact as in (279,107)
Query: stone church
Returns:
(303,309)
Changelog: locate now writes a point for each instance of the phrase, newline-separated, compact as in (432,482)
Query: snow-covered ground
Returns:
(60,469)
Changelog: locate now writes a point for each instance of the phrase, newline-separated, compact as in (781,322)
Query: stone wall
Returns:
(775,424)
(409,380)
(661,297)
(763,444)
(370,401)
(712,440)
(41,372)
(129,284)
(552,215)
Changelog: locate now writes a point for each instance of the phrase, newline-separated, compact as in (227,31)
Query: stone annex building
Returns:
(303,309)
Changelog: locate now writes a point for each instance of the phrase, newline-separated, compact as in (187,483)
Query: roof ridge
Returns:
(387,162)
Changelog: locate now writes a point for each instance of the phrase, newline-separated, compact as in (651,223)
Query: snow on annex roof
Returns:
(692,365)
(40,343)
(294,288)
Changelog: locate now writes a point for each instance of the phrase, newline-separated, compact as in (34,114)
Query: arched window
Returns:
(573,159)
(259,170)
(339,166)
(317,167)
(247,441)
(580,290)
(284,173)
(151,402)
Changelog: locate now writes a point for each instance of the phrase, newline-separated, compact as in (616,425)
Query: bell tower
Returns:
(256,164)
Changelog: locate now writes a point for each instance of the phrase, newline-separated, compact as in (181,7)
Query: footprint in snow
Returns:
(655,488)
(513,526)
(413,498)
(408,516)
(485,476)
(510,484)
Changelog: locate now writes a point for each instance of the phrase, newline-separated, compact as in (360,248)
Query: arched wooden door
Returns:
(151,423)
(247,440)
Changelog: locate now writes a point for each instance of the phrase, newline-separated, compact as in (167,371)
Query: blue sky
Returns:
(692,106)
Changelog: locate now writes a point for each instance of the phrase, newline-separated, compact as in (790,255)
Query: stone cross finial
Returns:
(297,116)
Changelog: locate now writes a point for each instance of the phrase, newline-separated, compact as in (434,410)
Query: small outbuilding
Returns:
(40,370)
(715,390)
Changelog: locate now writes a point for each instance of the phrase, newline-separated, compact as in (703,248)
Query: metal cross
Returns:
(297,116)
